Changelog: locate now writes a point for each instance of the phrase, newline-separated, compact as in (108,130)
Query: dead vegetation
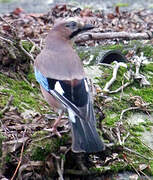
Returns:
(29,152)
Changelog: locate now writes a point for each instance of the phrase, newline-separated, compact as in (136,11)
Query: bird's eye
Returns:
(71,24)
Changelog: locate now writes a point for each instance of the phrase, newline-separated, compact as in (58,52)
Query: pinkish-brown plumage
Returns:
(58,59)
(60,73)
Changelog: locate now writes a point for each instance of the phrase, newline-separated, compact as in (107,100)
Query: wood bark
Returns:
(112,35)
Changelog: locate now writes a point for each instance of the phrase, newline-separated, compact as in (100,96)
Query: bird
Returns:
(63,83)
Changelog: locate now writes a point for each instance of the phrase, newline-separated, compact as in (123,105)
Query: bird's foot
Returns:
(54,131)
(81,162)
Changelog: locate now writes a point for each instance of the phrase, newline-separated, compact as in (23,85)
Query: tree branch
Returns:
(115,70)
(111,35)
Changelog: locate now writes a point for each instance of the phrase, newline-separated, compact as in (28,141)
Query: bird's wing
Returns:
(77,101)
(69,105)
(62,65)
(84,134)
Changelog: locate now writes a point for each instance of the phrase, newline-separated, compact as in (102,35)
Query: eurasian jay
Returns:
(62,80)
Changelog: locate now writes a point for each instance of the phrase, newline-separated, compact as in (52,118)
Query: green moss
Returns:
(88,54)
(107,75)
(2,138)
(113,168)
(25,96)
(118,104)
(122,4)
(147,67)
(118,166)
(144,93)
(148,123)
(43,148)
(137,128)
(6,1)
(111,120)
(98,51)
(3,101)
(61,141)
(136,144)
(99,170)
(113,47)
(31,76)
(112,110)
(148,129)
(150,170)
(84,54)
(135,134)
(40,150)
(27,45)
(8,158)
(96,170)
(39,134)
(40,153)
(148,51)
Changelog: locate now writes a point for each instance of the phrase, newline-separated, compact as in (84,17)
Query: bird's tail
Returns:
(85,137)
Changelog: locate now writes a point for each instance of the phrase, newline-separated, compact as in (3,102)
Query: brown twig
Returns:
(6,40)
(115,70)
(145,144)
(136,153)
(145,175)
(49,136)
(24,79)
(138,61)
(25,52)
(34,45)
(120,88)
(63,160)
(112,35)
(6,108)
(20,160)
(108,134)
(118,135)
(128,109)
(12,27)
(29,167)
(131,164)
(59,170)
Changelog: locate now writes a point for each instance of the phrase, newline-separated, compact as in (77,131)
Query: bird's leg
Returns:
(54,128)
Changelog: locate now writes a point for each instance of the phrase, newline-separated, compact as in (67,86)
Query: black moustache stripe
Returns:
(75,33)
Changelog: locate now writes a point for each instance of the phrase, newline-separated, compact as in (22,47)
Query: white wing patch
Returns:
(58,88)
(86,85)
(71,115)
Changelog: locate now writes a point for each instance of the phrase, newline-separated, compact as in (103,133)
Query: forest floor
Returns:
(123,106)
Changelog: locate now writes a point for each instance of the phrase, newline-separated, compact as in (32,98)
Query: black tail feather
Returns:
(85,137)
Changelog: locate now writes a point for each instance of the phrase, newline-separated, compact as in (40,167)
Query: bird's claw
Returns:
(54,131)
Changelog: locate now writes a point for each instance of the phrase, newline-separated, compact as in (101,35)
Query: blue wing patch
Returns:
(72,95)
(42,80)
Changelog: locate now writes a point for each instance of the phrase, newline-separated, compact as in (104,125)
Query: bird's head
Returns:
(70,27)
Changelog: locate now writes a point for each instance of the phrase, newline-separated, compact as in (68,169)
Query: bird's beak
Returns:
(87,27)
(83,27)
